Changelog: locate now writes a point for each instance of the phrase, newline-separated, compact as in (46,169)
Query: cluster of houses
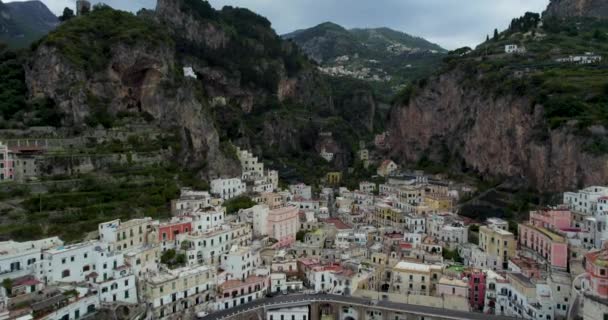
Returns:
(400,240)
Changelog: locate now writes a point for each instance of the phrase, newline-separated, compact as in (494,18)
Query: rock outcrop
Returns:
(577,8)
(467,128)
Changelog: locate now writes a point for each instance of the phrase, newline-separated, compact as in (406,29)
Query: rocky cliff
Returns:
(468,128)
(251,88)
(577,8)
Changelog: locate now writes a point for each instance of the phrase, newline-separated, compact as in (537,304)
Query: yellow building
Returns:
(385,216)
(415,278)
(334,178)
(438,203)
(121,236)
(174,291)
(497,243)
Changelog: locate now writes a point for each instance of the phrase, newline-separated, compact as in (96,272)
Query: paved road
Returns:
(382,305)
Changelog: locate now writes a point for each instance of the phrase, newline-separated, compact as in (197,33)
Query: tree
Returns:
(67,15)
(487,38)
(185,245)
(168,256)
(8,285)
(495,35)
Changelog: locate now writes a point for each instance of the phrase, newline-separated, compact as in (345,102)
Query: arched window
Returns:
(65,273)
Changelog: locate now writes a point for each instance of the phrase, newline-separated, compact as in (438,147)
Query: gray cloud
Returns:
(451,23)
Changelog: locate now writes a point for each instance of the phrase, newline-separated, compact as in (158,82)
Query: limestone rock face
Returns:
(577,8)
(492,136)
(136,79)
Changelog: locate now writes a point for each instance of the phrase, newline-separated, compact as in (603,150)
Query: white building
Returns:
(301,190)
(190,200)
(294,313)
(280,283)
(328,156)
(346,239)
(414,238)
(122,289)
(189,72)
(20,258)
(208,219)
(587,58)
(368,187)
(585,200)
(228,188)
(415,224)
(77,262)
(241,262)
(513,48)
(118,235)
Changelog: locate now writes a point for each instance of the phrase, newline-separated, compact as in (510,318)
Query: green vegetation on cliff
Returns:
(87,41)
(568,91)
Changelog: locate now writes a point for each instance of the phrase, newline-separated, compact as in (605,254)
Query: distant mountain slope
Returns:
(380,55)
(21,23)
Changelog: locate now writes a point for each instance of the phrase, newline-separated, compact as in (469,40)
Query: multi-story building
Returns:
(252,168)
(119,235)
(477,288)
(190,200)
(553,218)
(367,187)
(415,278)
(415,223)
(301,190)
(585,200)
(452,287)
(78,262)
(282,225)
(206,247)
(240,262)
(597,270)
(544,245)
(143,259)
(168,232)
(228,188)
(20,258)
(234,293)
(175,292)
(499,244)
(207,218)
(7,164)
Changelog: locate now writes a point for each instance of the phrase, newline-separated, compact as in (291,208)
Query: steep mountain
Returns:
(537,113)
(252,88)
(577,8)
(378,55)
(21,23)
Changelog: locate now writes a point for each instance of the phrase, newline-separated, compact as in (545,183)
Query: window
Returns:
(65,273)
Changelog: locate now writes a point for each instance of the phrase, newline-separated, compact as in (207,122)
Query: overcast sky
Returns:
(450,23)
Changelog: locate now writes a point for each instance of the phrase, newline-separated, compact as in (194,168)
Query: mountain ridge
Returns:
(21,23)
(385,57)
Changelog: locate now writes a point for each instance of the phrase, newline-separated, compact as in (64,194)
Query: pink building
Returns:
(597,270)
(477,289)
(552,219)
(7,164)
(169,232)
(546,245)
(283,225)
(526,266)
